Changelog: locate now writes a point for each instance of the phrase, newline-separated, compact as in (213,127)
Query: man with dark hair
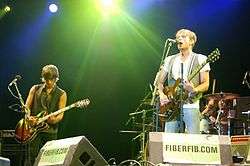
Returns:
(171,71)
(45,98)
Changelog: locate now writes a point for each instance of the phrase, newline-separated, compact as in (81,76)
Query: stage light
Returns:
(4,11)
(53,8)
(7,9)
(108,7)
(107,3)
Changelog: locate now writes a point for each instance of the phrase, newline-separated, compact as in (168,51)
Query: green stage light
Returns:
(107,3)
(6,9)
(107,7)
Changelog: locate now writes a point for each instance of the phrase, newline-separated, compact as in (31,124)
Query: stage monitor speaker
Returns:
(75,151)
(189,149)
(4,161)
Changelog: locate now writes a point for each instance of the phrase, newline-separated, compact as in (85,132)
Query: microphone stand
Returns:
(165,54)
(217,122)
(19,96)
(26,115)
(181,101)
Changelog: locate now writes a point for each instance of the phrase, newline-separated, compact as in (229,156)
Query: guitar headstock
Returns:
(214,55)
(82,103)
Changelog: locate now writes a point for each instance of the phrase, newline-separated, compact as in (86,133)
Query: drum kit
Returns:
(219,121)
(145,120)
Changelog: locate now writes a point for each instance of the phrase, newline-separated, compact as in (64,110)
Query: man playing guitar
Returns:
(44,99)
(171,71)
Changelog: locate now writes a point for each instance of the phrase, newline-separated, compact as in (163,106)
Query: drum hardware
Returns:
(246,127)
(140,112)
(218,120)
(160,115)
(221,96)
(246,78)
(142,137)
(246,112)
(141,124)
(129,131)
(224,108)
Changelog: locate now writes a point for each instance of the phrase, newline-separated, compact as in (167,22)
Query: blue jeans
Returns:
(191,120)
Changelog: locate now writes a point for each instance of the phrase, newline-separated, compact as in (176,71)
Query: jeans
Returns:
(37,143)
(191,121)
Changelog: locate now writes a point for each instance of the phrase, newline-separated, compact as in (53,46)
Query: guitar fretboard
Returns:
(196,70)
(56,113)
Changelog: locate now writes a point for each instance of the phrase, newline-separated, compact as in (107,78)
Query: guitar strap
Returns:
(193,60)
(170,67)
(190,66)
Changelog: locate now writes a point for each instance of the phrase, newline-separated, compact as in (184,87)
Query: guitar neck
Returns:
(56,113)
(213,56)
(196,71)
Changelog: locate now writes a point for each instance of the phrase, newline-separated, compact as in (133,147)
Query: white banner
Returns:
(191,148)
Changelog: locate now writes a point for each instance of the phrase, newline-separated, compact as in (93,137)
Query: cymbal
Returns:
(141,124)
(142,111)
(221,96)
(127,131)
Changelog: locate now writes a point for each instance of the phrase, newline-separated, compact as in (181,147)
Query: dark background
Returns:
(113,61)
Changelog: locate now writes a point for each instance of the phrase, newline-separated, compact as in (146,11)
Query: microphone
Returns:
(172,40)
(17,77)
(245,77)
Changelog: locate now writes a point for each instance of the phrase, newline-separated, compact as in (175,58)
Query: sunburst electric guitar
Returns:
(26,130)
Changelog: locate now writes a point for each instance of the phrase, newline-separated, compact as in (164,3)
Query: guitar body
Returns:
(25,131)
(170,110)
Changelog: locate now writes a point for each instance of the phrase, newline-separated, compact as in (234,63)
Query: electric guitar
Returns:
(172,109)
(26,130)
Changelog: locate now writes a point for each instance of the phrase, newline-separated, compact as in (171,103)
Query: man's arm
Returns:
(209,108)
(160,85)
(160,81)
(203,87)
(61,104)
(30,98)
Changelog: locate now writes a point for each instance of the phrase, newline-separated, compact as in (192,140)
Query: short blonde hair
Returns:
(192,36)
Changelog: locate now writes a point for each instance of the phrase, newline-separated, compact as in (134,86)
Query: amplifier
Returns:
(242,122)
(11,149)
(241,147)
(182,149)
(7,133)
